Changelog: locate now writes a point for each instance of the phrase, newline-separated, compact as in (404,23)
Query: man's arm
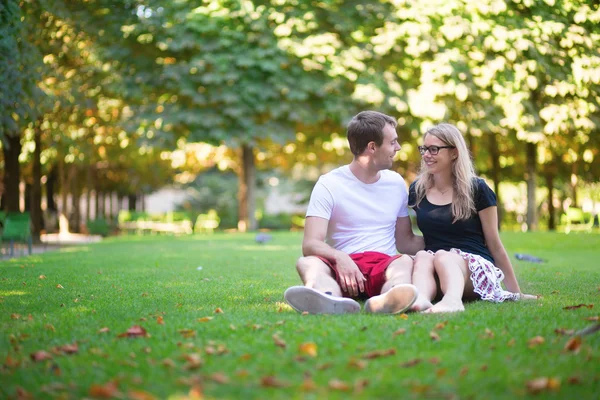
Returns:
(315,230)
(406,241)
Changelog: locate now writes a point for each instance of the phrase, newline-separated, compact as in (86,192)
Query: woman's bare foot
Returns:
(421,304)
(446,305)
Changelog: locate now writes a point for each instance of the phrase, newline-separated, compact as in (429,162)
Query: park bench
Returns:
(576,220)
(143,223)
(17,228)
(207,223)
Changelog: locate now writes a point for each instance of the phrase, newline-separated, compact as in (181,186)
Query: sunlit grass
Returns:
(253,348)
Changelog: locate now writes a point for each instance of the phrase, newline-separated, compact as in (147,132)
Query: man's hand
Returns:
(352,281)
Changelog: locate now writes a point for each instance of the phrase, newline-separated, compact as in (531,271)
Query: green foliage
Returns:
(154,281)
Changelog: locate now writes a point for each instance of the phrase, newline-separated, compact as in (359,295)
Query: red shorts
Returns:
(372,265)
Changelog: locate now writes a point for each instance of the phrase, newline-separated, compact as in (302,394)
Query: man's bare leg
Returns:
(454,276)
(321,293)
(317,275)
(397,294)
(423,278)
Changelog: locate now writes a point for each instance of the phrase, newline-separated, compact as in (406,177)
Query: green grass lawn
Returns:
(257,347)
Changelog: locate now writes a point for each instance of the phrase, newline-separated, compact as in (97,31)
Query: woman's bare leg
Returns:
(423,278)
(455,283)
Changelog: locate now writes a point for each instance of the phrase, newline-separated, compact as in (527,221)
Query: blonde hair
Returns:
(463,172)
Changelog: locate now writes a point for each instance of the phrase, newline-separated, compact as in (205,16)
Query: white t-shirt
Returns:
(362,217)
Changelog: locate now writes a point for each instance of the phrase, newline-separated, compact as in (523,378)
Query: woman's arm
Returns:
(489,223)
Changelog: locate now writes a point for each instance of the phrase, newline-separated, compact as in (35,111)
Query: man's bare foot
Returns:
(396,300)
(421,304)
(446,305)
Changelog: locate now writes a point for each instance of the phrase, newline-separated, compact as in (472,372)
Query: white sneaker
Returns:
(303,298)
(396,300)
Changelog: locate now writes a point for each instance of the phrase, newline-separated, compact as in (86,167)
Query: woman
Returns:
(457,214)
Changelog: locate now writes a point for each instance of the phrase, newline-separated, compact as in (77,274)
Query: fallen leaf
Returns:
(107,391)
(411,363)
(10,362)
(441,372)
(574,380)
(578,306)
(279,342)
(535,341)
(50,327)
(15,316)
(245,356)
(194,361)
(23,394)
(103,330)
(511,342)
(187,333)
(195,393)
(337,384)
(308,385)
(379,353)
(324,366)
(464,371)
(541,384)
(435,360)
(489,334)
(563,331)
(309,348)
(242,373)
(160,320)
(272,382)
(403,316)
(484,367)
(140,395)
(218,311)
(555,292)
(42,276)
(595,318)
(304,313)
(40,356)
(358,364)
(205,319)
(69,348)
(360,385)
(168,363)
(400,331)
(434,336)
(59,286)
(573,344)
(134,331)
(441,325)
(220,378)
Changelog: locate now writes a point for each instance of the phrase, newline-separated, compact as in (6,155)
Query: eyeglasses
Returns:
(433,150)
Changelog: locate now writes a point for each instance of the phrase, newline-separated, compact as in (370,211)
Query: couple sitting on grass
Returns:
(357,221)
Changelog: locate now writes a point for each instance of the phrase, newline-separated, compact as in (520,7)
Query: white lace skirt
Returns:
(486,278)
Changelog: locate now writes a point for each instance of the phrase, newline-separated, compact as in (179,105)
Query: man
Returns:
(357,218)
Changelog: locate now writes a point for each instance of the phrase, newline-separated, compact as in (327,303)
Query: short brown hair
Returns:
(365,127)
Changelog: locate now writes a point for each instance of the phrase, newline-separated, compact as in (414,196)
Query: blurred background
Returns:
(144,114)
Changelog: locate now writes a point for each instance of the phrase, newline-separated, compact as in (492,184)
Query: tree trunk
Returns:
(531,149)
(75,201)
(131,200)
(27,198)
(495,154)
(50,190)
(36,188)
(63,187)
(246,191)
(573,185)
(550,186)
(12,172)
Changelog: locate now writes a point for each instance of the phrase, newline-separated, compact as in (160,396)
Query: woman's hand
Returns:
(524,296)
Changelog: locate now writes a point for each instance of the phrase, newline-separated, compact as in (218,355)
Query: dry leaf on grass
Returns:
(272,382)
(574,380)
(578,306)
(594,318)
(379,353)
(441,325)
(140,395)
(42,276)
(218,310)
(68,348)
(134,332)
(194,361)
(109,390)
(360,385)
(358,364)
(40,356)
(541,384)
(564,331)
(403,316)
(205,319)
(337,384)
(160,320)
(308,348)
(279,342)
(574,344)
(535,341)
(308,385)
(411,363)
(59,286)
(434,336)
(220,378)
(400,331)
(187,333)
